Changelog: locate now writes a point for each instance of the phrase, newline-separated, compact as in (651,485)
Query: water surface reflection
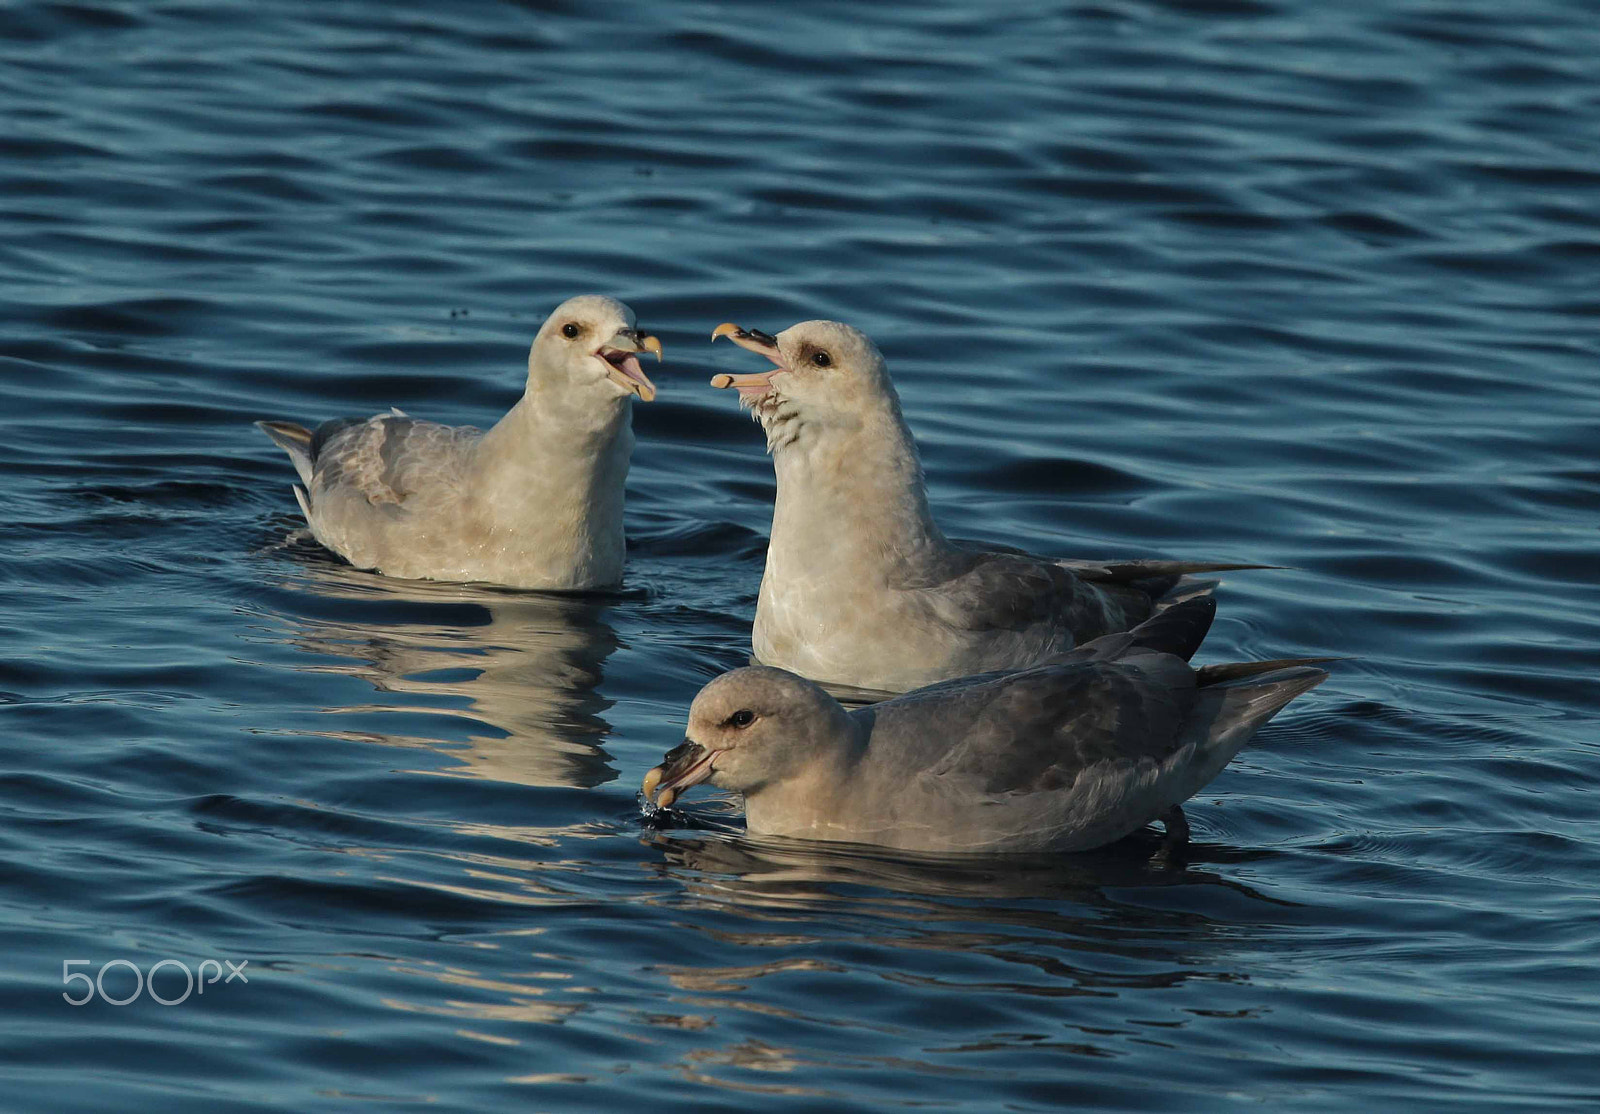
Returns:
(802,933)
(1089,902)
(516,674)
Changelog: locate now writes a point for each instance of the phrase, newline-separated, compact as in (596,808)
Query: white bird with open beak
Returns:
(861,587)
(536,502)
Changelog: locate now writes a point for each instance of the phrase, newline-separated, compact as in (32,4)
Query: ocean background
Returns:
(1300,284)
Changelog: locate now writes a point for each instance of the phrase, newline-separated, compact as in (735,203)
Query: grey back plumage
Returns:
(331,428)
(1072,753)
(387,458)
(1038,730)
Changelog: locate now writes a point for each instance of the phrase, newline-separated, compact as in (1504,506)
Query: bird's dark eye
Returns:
(570,330)
(821,358)
(744,717)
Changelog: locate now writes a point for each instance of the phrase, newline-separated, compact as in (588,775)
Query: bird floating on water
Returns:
(861,587)
(536,502)
(1064,756)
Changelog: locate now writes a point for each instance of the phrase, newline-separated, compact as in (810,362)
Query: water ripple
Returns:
(1254,280)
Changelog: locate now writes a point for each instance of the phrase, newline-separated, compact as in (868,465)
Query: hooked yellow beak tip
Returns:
(726,329)
(651,344)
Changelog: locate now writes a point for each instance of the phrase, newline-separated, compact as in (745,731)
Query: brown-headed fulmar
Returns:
(1064,756)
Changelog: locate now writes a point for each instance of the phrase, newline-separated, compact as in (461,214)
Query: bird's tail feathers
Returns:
(294,440)
(1238,670)
(1178,629)
(1168,592)
(1243,704)
(1230,712)
(1165,582)
(1131,572)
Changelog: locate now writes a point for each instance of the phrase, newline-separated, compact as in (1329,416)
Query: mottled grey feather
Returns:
(388,458)
(330,429)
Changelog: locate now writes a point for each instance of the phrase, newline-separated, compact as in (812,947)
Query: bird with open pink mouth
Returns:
(534,502)
(861,586)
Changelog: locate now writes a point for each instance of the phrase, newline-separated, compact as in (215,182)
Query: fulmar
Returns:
(1064,756)
(536,502)
(861,587)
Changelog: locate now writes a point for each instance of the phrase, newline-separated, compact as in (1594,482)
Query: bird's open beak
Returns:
(756,341)
(621,352)
(685,765)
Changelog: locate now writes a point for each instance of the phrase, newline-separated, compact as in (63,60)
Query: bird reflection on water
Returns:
(749,870)
(802,922)
(516,673)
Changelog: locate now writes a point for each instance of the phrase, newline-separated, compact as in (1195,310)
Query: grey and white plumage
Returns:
(536,502)
(861,587)
(1064,756)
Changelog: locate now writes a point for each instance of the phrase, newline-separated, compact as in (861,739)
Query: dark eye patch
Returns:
(816,357)
(571,329)
(744,717)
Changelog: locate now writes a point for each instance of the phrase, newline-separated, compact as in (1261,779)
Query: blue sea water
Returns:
(1272,281)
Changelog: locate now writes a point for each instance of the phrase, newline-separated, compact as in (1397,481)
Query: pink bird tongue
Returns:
(628,364)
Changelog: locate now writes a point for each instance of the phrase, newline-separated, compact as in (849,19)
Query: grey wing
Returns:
(1177,630)
(982,591)
(389,458)
(1038,730)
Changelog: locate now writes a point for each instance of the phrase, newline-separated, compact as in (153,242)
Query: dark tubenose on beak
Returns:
(685,765)
(753,339)
(621,352)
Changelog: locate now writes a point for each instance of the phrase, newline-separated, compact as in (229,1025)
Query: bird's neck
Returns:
(561,413)
(853,498)
(809,803)
(568,461)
